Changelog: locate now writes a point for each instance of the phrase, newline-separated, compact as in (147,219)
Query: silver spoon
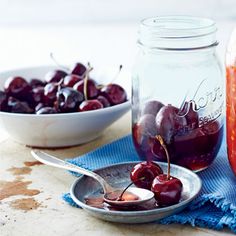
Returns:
(111,195)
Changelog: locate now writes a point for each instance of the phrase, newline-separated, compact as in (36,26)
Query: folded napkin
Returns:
(214,208)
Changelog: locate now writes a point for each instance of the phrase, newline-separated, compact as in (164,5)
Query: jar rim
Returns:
(179,26)
(177,32)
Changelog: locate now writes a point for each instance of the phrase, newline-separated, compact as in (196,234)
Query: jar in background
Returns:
(231,100)
(177,91)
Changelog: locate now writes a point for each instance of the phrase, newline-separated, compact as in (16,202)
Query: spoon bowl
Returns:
(112,196)
(142,195)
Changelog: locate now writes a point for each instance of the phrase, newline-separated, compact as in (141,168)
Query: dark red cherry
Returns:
(46,110)
(92,90)
(211,127)
(143,174)
(78,69)
(68,100)
(36,83)
(50,93)
(3,101)
(39,106)
(157,152)
(143,130)
(104,101)
(189,112)
(114,93)
(166,188)
(71,80)
(55,76)
(152,107)
(168,122)
(17,87)
(17,106)
(37,95)
(89,105)
(147,125)
(167,191)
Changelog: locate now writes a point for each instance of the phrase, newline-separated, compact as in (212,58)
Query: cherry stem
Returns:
(86,82)
(115,77)
(58,84)
(117,74)
(58,64)
(122,193)
(161,141)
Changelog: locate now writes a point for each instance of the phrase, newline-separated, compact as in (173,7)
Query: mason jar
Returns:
(177,91)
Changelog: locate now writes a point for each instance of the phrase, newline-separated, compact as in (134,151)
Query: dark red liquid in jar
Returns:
(231,115)
(193,146)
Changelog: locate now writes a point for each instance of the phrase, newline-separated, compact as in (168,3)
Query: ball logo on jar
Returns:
(198,103)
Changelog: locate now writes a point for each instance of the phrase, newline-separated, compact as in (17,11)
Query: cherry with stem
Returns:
(166,188)
(115,77)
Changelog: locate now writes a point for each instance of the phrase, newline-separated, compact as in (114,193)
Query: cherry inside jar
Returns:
(178,91)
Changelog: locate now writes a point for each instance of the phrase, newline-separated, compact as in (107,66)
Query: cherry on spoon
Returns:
(133,196)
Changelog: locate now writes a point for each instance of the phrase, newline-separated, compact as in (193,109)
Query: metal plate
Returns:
(118,176)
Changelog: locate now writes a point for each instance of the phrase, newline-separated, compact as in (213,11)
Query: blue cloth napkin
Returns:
(214,208)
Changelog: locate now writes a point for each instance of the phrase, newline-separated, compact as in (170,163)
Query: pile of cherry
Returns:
(59,92)
(149,175)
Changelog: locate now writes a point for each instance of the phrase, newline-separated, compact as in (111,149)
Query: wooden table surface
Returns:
(31,203)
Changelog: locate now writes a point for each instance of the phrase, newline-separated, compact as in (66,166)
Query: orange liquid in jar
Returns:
(231,115)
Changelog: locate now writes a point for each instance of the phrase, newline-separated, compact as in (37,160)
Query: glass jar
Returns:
(177,91)
(231,100)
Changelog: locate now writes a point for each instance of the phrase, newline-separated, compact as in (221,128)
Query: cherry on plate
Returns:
(143,173)
(167,190)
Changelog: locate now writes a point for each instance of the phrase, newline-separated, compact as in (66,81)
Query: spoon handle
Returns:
(56,162)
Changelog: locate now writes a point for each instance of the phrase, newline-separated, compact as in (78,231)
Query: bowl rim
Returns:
(123,105)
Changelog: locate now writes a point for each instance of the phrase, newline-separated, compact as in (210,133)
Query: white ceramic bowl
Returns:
(61,130)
